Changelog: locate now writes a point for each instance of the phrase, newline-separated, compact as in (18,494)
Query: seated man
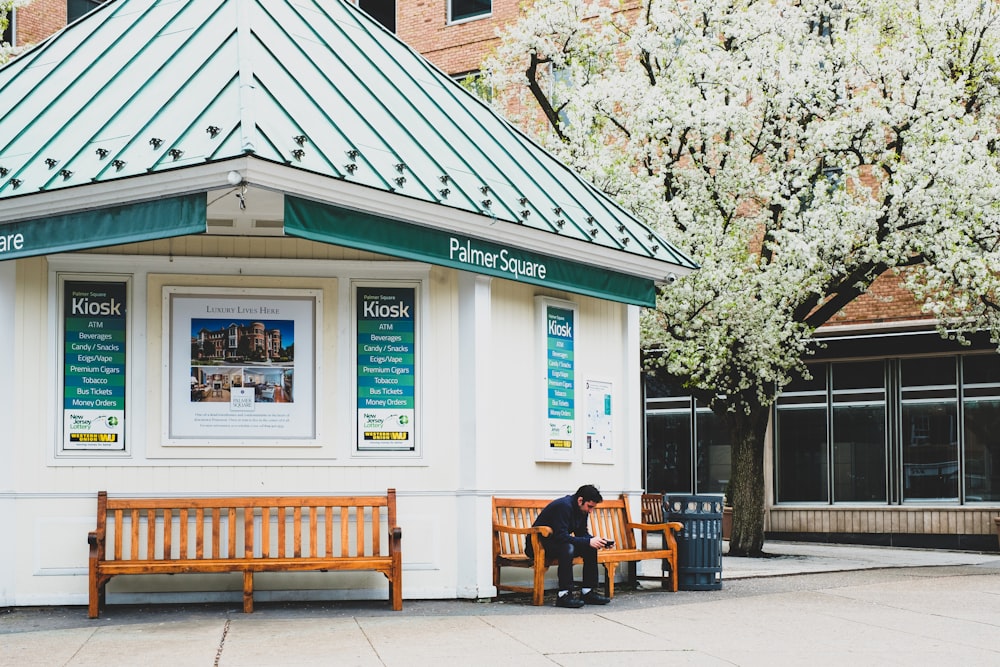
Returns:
(567,517)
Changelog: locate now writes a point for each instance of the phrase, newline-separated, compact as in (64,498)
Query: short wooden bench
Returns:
(244,534)
(610,519)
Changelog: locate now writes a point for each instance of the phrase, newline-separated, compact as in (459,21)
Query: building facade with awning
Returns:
(267,248)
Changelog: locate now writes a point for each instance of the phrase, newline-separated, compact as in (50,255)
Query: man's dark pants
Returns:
(565,552)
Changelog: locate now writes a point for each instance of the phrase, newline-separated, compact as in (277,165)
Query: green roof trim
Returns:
(366,231)
(150,220)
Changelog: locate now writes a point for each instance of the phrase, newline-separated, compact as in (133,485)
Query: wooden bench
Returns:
(611,519)
(245,534)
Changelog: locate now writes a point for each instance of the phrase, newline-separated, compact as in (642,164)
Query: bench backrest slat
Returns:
(652,508)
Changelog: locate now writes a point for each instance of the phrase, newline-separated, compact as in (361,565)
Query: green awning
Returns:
(130,223)
(366,231)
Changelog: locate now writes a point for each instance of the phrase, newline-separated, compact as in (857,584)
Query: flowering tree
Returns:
(797,149)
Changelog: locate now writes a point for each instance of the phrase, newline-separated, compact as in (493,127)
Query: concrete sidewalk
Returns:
(807,604)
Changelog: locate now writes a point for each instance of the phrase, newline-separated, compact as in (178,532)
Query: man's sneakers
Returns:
(569,601)
(593,597)
(574,601)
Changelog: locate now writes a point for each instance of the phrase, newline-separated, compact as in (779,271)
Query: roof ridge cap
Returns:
(247,87)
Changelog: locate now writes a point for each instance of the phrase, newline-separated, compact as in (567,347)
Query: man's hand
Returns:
(598,542)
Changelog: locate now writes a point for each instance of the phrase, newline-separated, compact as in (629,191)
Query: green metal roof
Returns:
(296,92)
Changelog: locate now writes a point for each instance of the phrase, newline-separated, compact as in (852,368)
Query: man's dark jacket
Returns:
(567,521)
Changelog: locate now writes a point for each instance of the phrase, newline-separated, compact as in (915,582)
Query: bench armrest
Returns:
(543,531)
(667,529)
(657,527)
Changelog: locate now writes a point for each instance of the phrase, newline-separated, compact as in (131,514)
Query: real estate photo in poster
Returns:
(94,325)
(386,350)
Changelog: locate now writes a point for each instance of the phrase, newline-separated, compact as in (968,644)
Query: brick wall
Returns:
(39,20)
(457,47)
(885,301)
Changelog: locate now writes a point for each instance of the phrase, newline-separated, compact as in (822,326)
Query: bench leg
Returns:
(248,592)
(95,595)
(609,579)
(538,587)
(396,592)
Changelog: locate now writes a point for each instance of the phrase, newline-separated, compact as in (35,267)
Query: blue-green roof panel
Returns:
(144,86)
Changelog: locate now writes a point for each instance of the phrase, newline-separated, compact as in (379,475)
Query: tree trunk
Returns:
(746,484)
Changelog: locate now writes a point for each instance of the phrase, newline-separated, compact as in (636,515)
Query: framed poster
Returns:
(599,447)
(557,324)
(93,370)
(385,325)
(241,368)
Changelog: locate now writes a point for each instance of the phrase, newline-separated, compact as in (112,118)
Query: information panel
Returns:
(386,350)
(599,423)
(94,322)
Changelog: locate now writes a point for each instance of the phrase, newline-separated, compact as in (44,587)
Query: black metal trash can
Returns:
(699,545)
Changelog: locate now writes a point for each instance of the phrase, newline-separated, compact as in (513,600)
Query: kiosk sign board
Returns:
(94,342)
(561,406)
(386,352)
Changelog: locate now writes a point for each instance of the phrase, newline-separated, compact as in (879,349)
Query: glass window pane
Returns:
(801,455)
(981,369)
(668,452)
(661,385)
(927,372)
(859,375)
(713,453)
(817,383)
(383,11)
(930,450)
(982,450)
(77,8)
(465,9)
(859,454)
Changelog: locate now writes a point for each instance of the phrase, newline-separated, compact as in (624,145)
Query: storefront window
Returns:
(714,453)
(859,469)
(687,448)
(981,404)
(801,440)
(668,452)
(801,466)
(929,428)
(859,444)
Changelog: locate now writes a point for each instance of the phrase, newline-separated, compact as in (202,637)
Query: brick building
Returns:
(892,442)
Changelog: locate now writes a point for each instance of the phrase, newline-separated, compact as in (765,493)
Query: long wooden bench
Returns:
(610,519)
(244,534)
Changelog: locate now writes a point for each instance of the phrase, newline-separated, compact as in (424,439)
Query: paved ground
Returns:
(807,605)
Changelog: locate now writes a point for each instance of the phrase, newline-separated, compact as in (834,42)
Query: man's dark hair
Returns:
(589,493)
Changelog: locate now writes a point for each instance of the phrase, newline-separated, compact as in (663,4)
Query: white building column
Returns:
(12,429)
(475,364)
(634,409)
